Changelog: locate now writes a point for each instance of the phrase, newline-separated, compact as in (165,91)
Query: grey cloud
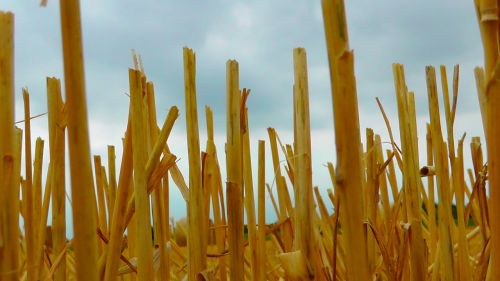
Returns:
(261,36)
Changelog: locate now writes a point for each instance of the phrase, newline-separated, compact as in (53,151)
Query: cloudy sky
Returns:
(261,35)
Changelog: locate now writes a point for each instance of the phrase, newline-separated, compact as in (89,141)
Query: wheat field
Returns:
(385,224)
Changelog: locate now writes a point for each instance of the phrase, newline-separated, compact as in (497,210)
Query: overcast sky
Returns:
(261,36)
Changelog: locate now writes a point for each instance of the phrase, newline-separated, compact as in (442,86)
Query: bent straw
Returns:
(154,157)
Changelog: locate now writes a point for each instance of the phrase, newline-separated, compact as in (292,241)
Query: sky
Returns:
(261,36)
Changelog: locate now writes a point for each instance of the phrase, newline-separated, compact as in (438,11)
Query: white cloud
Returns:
(243,15)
